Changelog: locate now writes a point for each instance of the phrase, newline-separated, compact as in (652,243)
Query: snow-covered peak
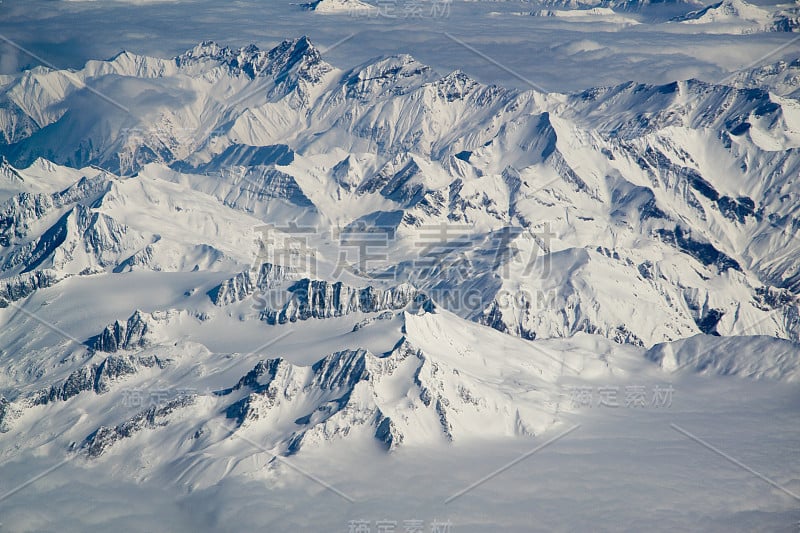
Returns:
(727,11)
(739,16)
(782,77)
(691,171)
(8,172)
(340,6)
(600,14)
(387,76)
(298,54)
(619,5)
(203,50)
(746,357)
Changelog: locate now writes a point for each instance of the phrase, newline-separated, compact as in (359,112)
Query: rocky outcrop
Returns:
(322,299)
(704,252)
(400,181)
(248,282)
(5,414)
(346,392)
(291,55)
(336,388)
(22,286)
(156,416)
(97,377)
(127,335)
(22,210)
(387,433)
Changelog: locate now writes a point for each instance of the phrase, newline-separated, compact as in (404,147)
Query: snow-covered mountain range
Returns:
(621,5)
(738,16)
(301,254)
(683,194)
(350,7)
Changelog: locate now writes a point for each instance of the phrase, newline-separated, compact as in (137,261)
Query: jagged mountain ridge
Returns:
(419,391)
(627,156)
(738,16)
(627,224)
(620,5)
(341,6)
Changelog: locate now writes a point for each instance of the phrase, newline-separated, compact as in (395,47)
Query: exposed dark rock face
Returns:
(331,384)
(321,299)
(387,433)
(247,283)
(22,286)
(122,335)
(708,322)
(19,212)
(5,412)
(96,377)
(156,416)
(704,252)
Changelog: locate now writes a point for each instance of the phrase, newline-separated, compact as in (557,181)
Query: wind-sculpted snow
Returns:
(747,357)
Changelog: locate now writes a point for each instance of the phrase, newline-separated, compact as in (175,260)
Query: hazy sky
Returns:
(493,41)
